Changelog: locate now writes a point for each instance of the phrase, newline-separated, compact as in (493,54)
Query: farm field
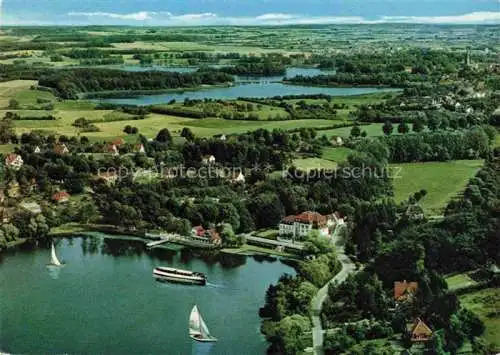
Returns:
(486,304)
(31,103)
(413,177)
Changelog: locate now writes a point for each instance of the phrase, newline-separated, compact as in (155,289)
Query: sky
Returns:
(245,12)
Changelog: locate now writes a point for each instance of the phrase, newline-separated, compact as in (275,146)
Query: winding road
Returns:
(348,268)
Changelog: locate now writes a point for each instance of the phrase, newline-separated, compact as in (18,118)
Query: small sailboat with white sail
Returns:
(198,330)
(54,261)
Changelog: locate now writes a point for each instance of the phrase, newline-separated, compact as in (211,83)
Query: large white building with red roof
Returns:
(301,225)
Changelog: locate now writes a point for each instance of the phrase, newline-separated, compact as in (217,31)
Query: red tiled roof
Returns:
(403,289)
(118,142)
(60,148)
(199,230)
(10,158)
(308,217)
(58,196)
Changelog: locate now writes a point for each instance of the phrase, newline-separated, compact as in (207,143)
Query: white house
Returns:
(301,225)
(139,148)
(338,141)
(61,149)
(208,159)
(14,161)
(238,177)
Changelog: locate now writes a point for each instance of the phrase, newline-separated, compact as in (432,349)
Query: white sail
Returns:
(204,329)
(198,330)
(194,322)
(53,257)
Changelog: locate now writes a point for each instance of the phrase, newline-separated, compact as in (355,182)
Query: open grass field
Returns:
(338,155)
(372,130)
(459,281)
(430,176)
(486,304)
(314,163)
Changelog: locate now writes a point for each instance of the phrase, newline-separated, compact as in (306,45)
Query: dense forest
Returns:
(72,82)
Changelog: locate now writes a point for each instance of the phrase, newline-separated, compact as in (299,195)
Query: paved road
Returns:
(348,267)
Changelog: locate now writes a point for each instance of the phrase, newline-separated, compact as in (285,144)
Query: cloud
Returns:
(194,17)
(471,18)
(136,16)
(209,18)
(270,17)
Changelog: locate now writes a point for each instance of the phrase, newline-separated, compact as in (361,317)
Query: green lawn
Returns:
(7,148)
(314,163)
(486,304)
(372,130)
(460,280)
(442,180)
(339,154)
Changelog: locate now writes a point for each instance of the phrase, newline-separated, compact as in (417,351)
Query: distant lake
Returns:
(105,300)
(252,89)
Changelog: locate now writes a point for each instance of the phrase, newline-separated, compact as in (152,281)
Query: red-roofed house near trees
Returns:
(61,196)
(14,161)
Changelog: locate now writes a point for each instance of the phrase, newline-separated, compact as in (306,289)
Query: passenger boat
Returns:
(179,275)
(198,330)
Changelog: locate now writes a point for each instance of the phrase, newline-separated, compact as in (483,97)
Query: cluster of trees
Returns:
(441,146)
(414,60)
(71,82)
(399,79)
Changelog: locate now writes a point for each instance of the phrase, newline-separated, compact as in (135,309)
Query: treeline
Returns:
(438,146)
(266,68)
(397,80)
(70,83)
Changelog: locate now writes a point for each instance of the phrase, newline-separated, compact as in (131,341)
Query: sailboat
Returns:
(54,261)
(198,330)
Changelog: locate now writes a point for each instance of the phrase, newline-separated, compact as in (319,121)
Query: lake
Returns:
(106,301)
(244,86)
(251,89)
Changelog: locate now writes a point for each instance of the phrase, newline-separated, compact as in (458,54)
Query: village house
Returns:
(415,212)
(337,141)
(207,236)
(61,197)
(61,149)
(14,161)
(419,331)
(108,177)
(112,149)
(404,291)
(208,159)
(139,148)
(301,225)
(237,178)
(118,142)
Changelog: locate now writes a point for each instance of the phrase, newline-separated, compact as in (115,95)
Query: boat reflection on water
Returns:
(54,271)
(199,348)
